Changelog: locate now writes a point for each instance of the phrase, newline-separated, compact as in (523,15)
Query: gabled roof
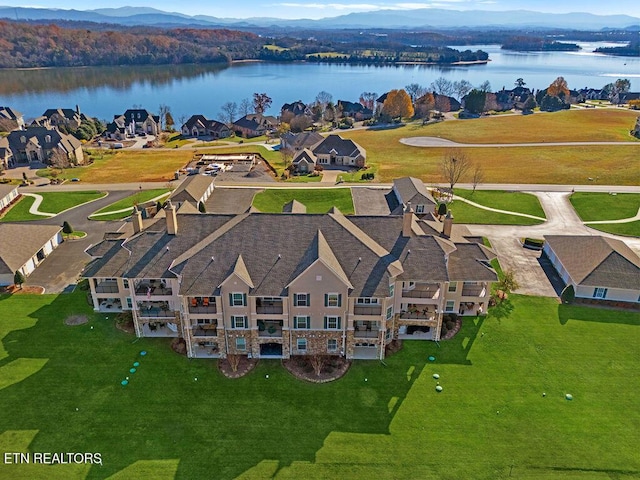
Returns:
(304,154)
(139,115)
(19,242)
(301,140)
(413,190)
(240,270)
(6,189)
(338,146)
(192,188)
(294,206)
(597,261)
(470,262)
(48,138)
(9,113)
(195,120)
(254,121)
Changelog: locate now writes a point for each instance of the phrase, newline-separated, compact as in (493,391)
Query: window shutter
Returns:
(308,322)
(326,300)
(325,322)
(231,299)
(339,322)
(244,299)
(604,293)
(339,299)
(308,299)
(295,299)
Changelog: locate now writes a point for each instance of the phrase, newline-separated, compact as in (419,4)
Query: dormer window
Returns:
(23,139)
(138,115)
(47,138)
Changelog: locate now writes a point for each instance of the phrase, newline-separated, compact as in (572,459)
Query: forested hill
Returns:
(26,45)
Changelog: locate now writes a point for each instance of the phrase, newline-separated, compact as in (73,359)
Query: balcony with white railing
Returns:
(153,287)
(107,286)
(269,306)
(270,328)
(364,310)
(422,290)
(474,290)
(199,305)
(155,310)
(366,329)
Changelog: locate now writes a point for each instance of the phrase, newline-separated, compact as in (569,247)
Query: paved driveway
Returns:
(370,201)
(63,267)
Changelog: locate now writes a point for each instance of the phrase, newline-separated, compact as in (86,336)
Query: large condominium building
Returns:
(277,285)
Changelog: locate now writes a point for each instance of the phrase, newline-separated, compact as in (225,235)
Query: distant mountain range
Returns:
(393,19)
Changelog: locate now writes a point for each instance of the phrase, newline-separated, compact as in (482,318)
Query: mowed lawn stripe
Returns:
(56,202)
(504,200)
(604,206)
(135,199)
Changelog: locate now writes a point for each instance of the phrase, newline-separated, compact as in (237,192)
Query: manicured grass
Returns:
(465,213)
(504,200)
(138,198)
(379,421)
(631,229)
(177,140)
(604,206)
(56,202)
(305,179)
(553,165)
(19,212)
(317,201)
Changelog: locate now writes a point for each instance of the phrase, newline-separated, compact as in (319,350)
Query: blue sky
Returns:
(320,9)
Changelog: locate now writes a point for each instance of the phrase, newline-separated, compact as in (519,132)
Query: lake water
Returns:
(188,89)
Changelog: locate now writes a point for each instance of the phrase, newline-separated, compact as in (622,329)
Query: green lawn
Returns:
(61,392)
(128,202)
(19,212)
(504,200)
(317,201)
(465,213)
(630,229)
(56,202)
(604,206)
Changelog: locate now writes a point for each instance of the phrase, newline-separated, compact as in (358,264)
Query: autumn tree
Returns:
(168,121)
(228,112)
(368,100)
(415,91)
(398,104)
(261,102)
(287,155)
(443,104)
(507,284)
(424,105)
(558,88)
(455,165)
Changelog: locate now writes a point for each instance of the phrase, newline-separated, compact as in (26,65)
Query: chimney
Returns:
(78,109)
(172,220)
(407,220)
(136,219)
(448,224)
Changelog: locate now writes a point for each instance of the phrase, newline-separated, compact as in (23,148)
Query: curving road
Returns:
(437,142)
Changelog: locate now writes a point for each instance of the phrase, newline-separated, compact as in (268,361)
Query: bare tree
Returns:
(234,362)
(442,86)
(318,362)
(455,165)
(245,107)
(485,86)
(477,177)
(228,112)
(163,110)
(261,101)
(287,156)
(461,88)
(323,98)
(415,91)
(59,159)
(368,99)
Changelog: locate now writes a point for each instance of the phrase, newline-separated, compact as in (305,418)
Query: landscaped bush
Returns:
(367,176)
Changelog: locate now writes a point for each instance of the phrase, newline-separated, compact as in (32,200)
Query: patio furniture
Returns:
(205,301)
(194,302)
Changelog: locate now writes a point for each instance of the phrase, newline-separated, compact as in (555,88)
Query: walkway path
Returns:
(477,205)
(636,217)
(443,142)
(128,209)
(33,210)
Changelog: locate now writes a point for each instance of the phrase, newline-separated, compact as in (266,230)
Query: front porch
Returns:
(205,350)
(159,329)
(415,332)
(363,351)
(108,305)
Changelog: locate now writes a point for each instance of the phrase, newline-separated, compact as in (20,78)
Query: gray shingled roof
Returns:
(597,261)
(298,141)
(192,189)
(413,190)
(6,189)
(19,242)
(342,146)
(470,262)
(294,206)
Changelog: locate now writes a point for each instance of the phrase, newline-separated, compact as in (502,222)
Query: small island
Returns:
(539,45)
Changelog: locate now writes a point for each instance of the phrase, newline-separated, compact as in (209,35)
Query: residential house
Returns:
(254,125)
(10,119)
(132,122)
(300,141)
(67,118)
(194,189)
(355,110)
(411,191)
(39,144)
(199,126)
(296,108)
(331,150)
(8,195)
(334,284)
(601,270)
(23,247)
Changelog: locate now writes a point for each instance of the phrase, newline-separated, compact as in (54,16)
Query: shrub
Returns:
(450,325)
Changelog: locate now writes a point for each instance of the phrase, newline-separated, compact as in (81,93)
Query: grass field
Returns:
(136,199)
(317,201)
(630,229)
(56,202)
(19,212)
(181,417)
(504,200)
(611,165)
(604,206)
(465,213)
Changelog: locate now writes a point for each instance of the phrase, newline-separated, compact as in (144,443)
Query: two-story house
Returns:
(254,125)
(331,150)
(39,145)
(132,122)
(61,117)
(332,284)
(200,126)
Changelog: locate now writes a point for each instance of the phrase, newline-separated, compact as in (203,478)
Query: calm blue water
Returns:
(103,92)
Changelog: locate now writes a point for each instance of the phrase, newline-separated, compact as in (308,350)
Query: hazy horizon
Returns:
(316,10)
